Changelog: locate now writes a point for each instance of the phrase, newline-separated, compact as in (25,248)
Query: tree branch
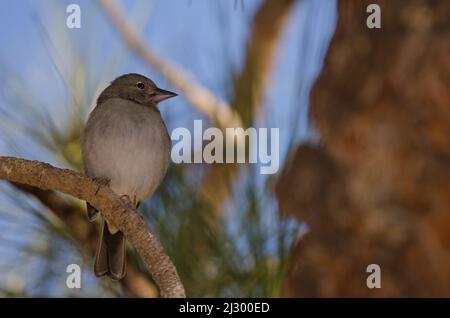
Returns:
(135,283)
(267,28)
(120,214)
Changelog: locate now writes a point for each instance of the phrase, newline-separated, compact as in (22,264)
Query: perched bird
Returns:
(125,145)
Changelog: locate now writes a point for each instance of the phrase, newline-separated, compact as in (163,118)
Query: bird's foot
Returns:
(101,181)
(134,204)
(138,211)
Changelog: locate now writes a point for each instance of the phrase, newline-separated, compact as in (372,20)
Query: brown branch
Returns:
(200,97)
(120,214)
(267,27)
(135,283)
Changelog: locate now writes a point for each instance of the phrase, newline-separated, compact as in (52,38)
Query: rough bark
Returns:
(121,214)
(377,189)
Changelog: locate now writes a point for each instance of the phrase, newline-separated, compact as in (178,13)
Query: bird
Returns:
(125,145)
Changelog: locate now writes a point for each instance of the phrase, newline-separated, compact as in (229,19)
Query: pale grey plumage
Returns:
(126,142)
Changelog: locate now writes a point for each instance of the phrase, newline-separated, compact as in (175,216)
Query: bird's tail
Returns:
(110,257)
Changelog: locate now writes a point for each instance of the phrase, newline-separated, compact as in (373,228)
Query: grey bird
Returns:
(126,146)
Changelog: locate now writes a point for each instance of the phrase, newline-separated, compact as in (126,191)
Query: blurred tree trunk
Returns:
(377,189)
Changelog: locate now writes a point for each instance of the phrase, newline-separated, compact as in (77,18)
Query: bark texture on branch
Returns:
(120,214)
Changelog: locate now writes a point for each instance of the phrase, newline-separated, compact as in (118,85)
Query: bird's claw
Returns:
(133,204)
(101,181)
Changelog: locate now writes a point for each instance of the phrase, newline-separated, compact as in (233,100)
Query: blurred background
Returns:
(364,119)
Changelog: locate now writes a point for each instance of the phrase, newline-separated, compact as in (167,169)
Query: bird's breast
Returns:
(128,146)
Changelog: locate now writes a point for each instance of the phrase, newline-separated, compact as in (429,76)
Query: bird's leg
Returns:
(101,181)
(137,204)
(134,204)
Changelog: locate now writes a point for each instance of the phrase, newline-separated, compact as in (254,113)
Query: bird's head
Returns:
(137,88)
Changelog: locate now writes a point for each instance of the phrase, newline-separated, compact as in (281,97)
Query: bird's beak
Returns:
(162,94)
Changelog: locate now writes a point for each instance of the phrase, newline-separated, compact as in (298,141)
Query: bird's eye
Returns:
(140,85)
